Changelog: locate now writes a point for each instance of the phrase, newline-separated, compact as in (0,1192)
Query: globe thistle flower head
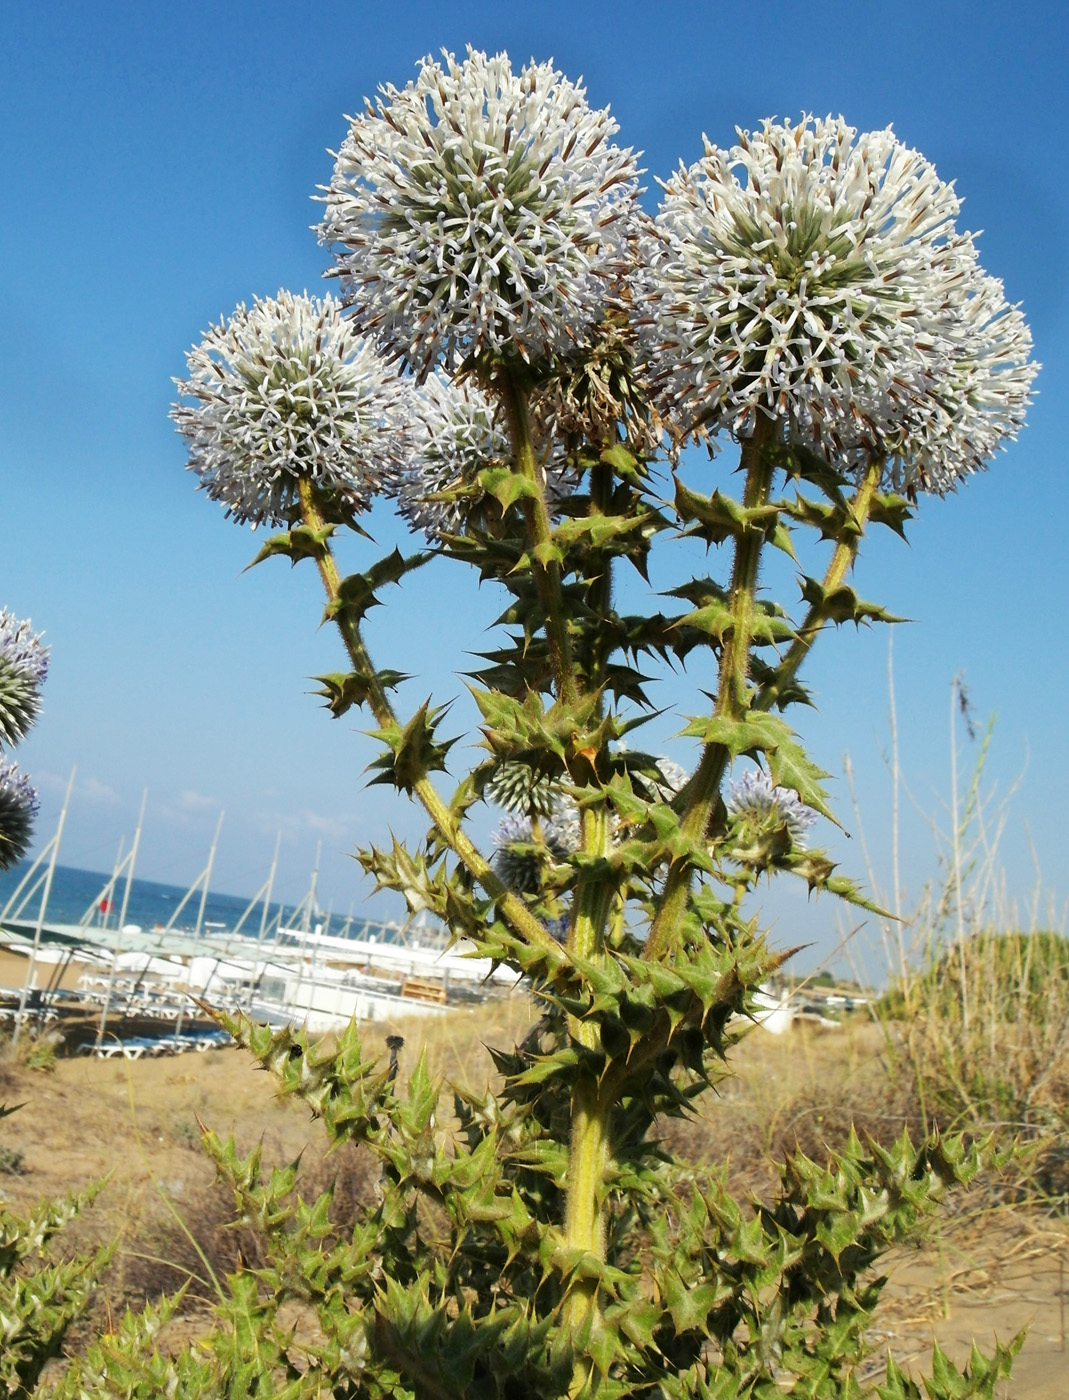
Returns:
(601,395)
(816,276)
(479,212)
(454,434)
(23,668)
(523,852)
(283,391)
(518,790)
(981,401)
(757,807)
(18,811)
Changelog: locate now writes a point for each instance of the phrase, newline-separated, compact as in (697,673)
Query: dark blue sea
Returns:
(75,892)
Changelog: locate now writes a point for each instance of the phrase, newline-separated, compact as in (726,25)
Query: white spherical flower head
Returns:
(23,668)
(18,811)
(817,276)
(480,212)
(756,802)
(455,432)
(981,400)
(454,436)
(286,391)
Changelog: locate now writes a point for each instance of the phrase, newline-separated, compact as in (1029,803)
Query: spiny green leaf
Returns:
(413,751)
(602,531)
(546,553)
(621,461)
(842,604)
(892,511)
(358,592)
(717,517)
(507,486)
(302,542)
(343,689)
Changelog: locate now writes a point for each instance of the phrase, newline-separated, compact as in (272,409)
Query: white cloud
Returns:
(337,829)
(93,790)
(187,806)
(90,790)
(190,801)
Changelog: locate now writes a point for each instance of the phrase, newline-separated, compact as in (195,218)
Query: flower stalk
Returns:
(840,564)
(732,699)
(590,1147)
(547,568)
(513,909)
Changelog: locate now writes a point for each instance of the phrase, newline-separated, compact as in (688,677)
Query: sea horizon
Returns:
(79,894)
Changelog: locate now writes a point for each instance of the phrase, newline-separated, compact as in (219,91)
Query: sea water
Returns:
(76,893)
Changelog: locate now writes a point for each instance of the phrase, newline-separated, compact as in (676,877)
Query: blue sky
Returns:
(158,164)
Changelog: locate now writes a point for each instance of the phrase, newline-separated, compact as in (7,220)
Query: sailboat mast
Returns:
(31,971)
(109,900)
(133,860)
(310,907)
(269,890)
(208,876)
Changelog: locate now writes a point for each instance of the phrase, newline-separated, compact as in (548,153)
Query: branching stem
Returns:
(731,698)
(734,668)
(842,561)
(511,906)
(590,1146)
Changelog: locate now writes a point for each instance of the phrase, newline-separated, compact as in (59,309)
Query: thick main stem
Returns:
(513,909)
(590,1147)
(584,1223)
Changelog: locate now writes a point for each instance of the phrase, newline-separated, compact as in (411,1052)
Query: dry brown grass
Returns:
(139,1125)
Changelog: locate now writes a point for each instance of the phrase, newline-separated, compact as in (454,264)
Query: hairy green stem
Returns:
(599,591)
(590,1146)
(731,698)
(842,561)
(584,1221)
(547,571)
(511,906)
(706,784)
(592,900)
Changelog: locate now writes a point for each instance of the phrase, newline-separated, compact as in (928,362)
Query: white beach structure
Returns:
(297,974)
(774,1011)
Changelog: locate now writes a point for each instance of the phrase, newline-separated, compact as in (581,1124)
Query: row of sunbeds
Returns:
(136,1047)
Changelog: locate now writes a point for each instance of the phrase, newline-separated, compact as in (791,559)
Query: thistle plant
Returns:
(521,357)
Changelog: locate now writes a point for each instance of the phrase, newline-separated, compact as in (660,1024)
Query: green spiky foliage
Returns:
(455,1281)
(41,1296)
(541,1242)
